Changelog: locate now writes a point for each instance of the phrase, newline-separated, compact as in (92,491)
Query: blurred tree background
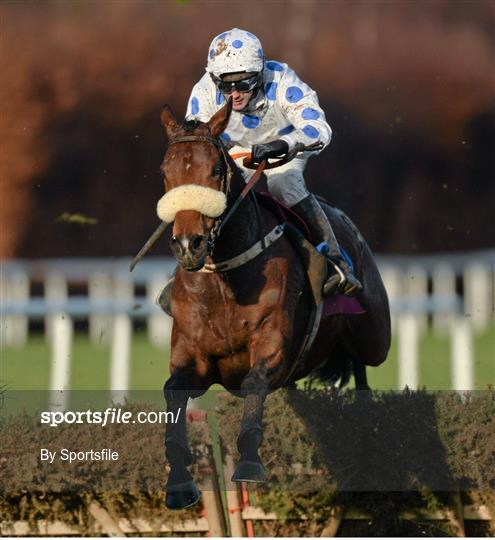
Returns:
(408,88)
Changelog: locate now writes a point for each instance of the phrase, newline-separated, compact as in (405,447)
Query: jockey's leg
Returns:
(342,281)
(287,184)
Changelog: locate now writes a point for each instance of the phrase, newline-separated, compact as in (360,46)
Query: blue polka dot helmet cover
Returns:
(233,51)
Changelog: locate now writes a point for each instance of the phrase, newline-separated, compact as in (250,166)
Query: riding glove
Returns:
(272,149)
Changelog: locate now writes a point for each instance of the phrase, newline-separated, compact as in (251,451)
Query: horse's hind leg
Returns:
(181,489)
(360,377)
(254,389)
(363,391)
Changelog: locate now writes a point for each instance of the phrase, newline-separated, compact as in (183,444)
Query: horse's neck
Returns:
(242,229)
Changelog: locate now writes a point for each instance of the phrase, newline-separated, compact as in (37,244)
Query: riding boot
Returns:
(341,280)
(164,298)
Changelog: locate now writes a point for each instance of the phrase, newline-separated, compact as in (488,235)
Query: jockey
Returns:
(272,110)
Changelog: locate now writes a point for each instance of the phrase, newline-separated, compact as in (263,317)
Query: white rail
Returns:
(453,293)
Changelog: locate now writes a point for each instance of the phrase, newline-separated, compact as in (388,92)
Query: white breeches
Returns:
(286,183)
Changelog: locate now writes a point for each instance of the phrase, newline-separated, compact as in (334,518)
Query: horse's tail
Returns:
(337,370)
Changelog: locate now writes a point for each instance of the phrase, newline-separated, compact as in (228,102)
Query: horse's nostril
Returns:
(196,242)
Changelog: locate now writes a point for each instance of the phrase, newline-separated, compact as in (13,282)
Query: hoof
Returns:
(182,495)
(249,471)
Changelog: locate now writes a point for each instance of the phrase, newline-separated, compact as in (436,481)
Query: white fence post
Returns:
(391,277)
(120,358)
(15,287)
(478,295)
(408,342)
(444,288)
(61,344)
(121,340)
(461,354)
(56,292)
(100,325)
(159,324)
(415,287)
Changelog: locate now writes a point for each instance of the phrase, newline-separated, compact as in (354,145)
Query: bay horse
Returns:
(242,327)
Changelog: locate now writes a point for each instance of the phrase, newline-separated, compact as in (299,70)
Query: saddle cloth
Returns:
(333,305)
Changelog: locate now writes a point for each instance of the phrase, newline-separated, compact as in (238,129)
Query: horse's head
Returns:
(195,171)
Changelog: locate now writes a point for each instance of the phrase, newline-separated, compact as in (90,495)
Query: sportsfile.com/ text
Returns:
(111,415)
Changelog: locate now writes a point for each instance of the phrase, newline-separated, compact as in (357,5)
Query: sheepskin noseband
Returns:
(205,200)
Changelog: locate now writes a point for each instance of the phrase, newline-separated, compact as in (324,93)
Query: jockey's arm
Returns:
(302,109)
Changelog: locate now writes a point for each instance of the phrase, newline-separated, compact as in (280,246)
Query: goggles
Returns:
(243,86)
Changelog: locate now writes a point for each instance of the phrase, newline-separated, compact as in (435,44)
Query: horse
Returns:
(242,325)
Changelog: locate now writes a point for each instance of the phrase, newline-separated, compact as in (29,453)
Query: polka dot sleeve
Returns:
(201,105)
(300,105)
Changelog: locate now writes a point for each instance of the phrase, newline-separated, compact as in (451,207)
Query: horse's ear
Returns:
(168,120)
(218,122)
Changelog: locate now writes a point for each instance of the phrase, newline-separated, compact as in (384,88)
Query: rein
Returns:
(256,176)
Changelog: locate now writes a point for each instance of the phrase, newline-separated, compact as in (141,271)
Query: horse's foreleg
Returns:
(181,490)
(254,389)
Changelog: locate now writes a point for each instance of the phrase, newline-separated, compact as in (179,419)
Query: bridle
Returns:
(225,187)
(226,176)
(217,142)
(225,183)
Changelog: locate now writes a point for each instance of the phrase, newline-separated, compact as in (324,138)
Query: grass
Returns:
(434,365)
(29,368)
